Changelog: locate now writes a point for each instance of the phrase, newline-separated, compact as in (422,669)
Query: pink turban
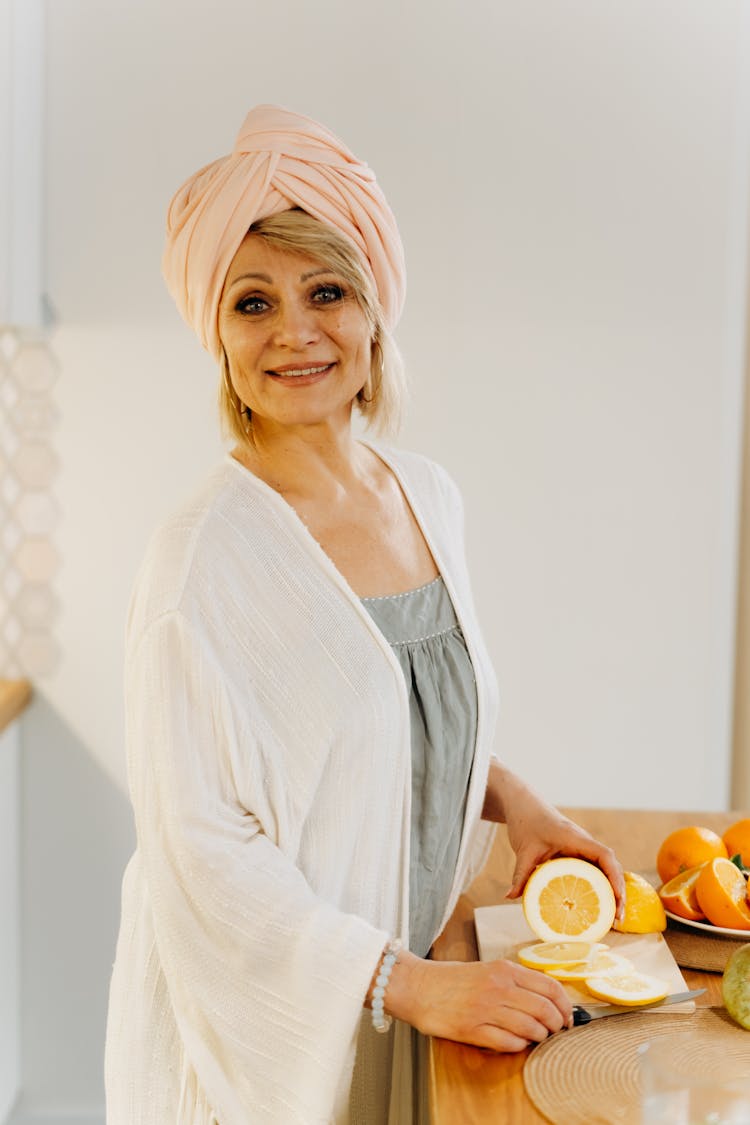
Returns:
(280,160)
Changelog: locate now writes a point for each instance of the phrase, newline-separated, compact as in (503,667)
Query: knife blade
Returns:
(582,1015)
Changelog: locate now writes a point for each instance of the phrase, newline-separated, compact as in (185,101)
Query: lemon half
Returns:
(569,899)
(644,913)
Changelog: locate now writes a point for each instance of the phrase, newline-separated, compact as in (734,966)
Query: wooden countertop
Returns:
(472,1085)
(14,696)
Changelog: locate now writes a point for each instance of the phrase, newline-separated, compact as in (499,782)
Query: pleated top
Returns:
(422,629)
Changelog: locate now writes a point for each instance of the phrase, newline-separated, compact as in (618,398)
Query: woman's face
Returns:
(297,341)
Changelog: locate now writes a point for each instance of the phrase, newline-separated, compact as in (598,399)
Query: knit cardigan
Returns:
(269,771)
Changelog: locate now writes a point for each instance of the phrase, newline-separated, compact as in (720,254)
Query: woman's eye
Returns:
(252,305)
(327,294)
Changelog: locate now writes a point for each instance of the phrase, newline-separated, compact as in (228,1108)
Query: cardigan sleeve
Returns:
(265,979)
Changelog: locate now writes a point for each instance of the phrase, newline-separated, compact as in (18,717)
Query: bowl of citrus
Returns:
(704,878)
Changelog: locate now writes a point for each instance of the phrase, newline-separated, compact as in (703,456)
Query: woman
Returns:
(310,706)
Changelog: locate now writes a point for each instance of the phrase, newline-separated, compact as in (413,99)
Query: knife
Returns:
(583,1015)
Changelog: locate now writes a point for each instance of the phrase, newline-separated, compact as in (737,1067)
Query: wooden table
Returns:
(14,696)
(469,1085)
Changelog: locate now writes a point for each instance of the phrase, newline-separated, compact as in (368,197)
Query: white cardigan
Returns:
(269,769)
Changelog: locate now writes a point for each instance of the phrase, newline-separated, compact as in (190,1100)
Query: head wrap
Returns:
(280,160)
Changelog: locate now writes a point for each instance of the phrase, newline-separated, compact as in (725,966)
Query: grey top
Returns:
(423,631)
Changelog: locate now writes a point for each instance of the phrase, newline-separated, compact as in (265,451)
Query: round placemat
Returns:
(694,949)
(589,1076)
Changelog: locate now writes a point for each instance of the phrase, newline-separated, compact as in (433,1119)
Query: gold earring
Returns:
(371,389)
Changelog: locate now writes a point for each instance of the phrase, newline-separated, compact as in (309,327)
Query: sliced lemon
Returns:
(569,898)
(548,955)
(603,964)
(628,989)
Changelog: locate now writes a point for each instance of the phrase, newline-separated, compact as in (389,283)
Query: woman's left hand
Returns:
(538,832)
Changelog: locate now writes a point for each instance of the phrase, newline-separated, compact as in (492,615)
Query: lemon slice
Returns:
(602,964)
(548,955)
(628,989)
(569,899)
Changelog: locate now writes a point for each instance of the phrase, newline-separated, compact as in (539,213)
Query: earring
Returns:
(369,393)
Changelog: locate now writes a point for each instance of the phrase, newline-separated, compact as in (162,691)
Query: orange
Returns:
(737,841)
(721,890)
(678,895)
(687,847)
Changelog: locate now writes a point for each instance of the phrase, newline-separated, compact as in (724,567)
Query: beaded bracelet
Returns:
(380,1021)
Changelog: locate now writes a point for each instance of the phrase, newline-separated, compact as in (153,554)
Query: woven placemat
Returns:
(693,949)
(589,1076)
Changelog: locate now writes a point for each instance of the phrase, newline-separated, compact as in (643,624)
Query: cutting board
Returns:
(501,930)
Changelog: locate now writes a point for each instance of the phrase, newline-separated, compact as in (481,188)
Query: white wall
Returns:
(571,182)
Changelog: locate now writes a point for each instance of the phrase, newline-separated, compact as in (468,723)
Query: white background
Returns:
(571,182)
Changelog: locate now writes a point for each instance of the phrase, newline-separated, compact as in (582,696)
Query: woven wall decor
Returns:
(29,513)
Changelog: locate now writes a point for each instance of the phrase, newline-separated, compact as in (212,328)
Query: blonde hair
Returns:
(383,398)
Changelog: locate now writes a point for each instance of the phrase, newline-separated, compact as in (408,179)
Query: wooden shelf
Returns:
(14,696)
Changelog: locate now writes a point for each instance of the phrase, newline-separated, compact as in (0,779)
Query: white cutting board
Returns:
(502,930)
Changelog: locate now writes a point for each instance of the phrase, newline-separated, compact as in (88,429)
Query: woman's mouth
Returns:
(300,376)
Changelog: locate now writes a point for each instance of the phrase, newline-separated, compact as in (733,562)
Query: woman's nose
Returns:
(296,325)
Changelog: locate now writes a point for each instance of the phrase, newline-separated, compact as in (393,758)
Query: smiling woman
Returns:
(297,306)
(310,704)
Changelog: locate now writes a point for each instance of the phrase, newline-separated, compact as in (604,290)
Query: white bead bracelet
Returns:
(380,1021)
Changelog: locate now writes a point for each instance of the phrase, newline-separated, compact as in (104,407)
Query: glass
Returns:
(687,1080)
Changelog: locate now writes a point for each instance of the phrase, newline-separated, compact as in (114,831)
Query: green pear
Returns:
(735,986)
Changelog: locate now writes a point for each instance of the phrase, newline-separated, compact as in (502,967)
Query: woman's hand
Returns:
(538,832)
(548,834)
(494,1004)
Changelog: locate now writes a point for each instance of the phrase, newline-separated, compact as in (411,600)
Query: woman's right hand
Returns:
(496,1004)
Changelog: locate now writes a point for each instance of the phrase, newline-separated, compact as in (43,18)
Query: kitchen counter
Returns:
(14,696)
(472,1085)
